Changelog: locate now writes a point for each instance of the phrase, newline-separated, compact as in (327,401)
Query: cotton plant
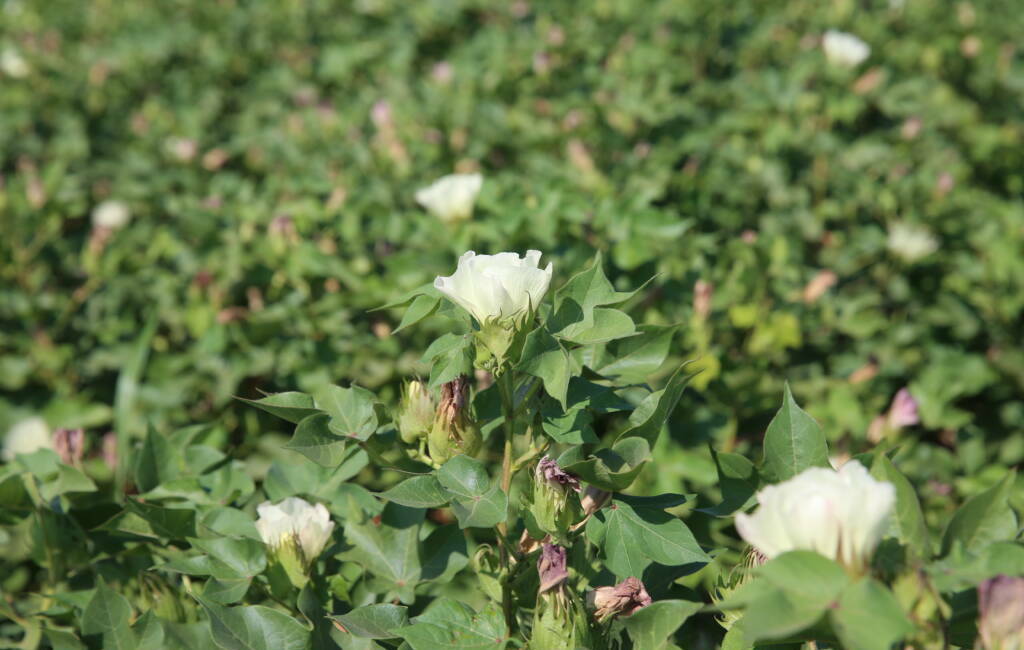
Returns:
(499,500)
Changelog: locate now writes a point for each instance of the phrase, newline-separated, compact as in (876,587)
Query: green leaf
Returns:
(157,461)
(149,631)
(290,406)
(651,627)
(483,511)
(590,288)
(791,593)
(611,469)
(650,416)
(69,479)
(423,306)
(172,523)
(572,427)
(443,553)
(378,621)
(418,492)
(464,476)
(243,557)
(478,502)
(907,522)
(633,536)
(315,440)
(632,359)
(389,548)
(737,479)
(600,326)
(354,411)
(226,591)
(545,358)
(254,628)
(107,611)
(982,519)
(456,359)
(424,289)
(869,617)
(450,624)
(793,442)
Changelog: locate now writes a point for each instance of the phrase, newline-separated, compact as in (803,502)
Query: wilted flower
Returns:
(593,499)
(911,242)
(111,215)
(13,64)
(296,532)
(69,445)
(551,567)
(621,600)
(841,515)
(551,489)
(451,198)
(702,294)
(903,412)
(559,620)
(844,49)
(454,431)
(1001,613)
(416,412)
(498,287)
(28,435)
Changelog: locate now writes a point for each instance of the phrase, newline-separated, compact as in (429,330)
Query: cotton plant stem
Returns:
(506,386)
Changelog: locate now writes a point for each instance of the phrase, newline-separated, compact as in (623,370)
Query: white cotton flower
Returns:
(911,242)
(14,64)
(451,198)
(841,515)
(111,215)
(28,435)
(497,287)
(295,520)
(844,49)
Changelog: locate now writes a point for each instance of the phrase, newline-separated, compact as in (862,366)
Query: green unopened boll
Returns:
(416,412)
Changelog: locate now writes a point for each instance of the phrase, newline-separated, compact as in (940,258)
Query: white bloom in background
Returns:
(26,436)
(844,49)
(451,198)
(295,519)
(911,242)
(841,515)
(13,64)
(111,215)
(497,287)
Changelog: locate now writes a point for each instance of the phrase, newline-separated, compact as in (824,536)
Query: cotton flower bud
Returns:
(416,412)
(295,533)
(841,515)
(552,489)
(454,432)
(551,567)
(1001,613)
(451,198)
(69,445)
(25,437)
(620,600)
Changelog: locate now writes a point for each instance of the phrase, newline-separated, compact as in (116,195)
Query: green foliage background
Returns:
(686,139)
